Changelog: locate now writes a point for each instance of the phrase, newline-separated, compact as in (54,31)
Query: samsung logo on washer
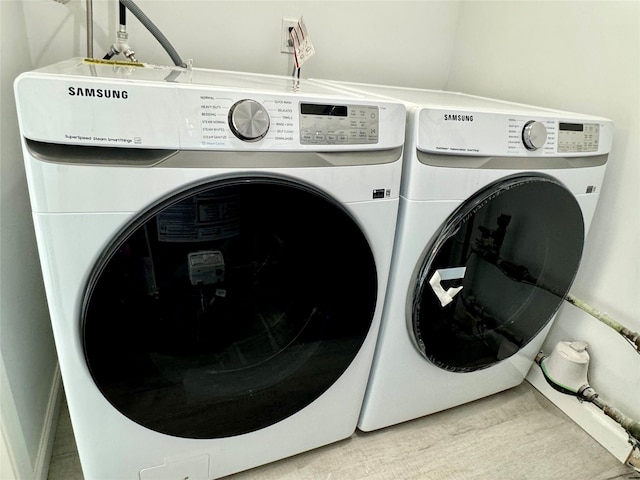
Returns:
(457,117)
(97,92)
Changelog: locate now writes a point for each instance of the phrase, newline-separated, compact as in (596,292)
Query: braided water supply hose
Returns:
(155,31)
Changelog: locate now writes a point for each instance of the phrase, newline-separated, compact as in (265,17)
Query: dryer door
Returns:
(496,272)
(229,307)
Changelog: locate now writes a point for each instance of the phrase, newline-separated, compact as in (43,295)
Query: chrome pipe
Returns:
(89,28)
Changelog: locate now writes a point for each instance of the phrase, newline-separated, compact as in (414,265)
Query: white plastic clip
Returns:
(446,296)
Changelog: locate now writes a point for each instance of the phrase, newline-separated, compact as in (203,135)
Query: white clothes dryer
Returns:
(215,248)
(496,200)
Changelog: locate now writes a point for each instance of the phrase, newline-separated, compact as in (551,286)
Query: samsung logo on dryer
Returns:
(97,92)
(457,117)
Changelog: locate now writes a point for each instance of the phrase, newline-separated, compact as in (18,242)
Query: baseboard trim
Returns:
(7,462)
(45,448)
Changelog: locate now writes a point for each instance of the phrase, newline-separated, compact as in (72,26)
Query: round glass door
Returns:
(228,307)
(496,272)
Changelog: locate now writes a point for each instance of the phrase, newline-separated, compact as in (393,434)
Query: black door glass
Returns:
(514,248)
(228,307)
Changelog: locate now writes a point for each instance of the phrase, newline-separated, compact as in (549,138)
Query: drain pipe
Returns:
(630,425)
(89,28)
(566,371)
(632,337)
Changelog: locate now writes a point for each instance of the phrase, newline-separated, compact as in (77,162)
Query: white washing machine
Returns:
(496,200)
(215,248)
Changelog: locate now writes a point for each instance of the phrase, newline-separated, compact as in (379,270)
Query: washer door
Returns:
(496,272)
(228,307)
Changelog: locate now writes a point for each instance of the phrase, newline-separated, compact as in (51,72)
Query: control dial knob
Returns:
(534,135)
(249,120)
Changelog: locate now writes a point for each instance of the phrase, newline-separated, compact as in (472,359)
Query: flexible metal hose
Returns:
(149,25)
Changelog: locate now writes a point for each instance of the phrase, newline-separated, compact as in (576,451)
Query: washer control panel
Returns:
(323,124)
(578,137)
(202,110)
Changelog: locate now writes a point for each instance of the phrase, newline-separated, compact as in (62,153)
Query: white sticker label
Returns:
(200,218)
(302,47)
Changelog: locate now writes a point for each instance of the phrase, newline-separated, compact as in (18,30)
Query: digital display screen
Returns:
(317,109)
(571,127)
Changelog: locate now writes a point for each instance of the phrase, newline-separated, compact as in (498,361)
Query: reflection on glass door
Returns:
(496,272)
(229,307)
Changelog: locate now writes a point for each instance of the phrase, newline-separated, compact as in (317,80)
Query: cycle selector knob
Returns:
(534,135)
(248,120)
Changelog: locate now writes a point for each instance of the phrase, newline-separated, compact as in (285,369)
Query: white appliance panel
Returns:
(462,155)
(108,149)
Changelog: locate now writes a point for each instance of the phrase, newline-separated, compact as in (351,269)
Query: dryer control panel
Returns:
(476,133)
(578,137)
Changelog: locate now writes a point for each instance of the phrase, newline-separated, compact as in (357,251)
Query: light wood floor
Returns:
(513,435)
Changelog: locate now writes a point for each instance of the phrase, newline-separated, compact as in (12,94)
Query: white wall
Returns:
(584,57)
(360,41)
(27,356)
